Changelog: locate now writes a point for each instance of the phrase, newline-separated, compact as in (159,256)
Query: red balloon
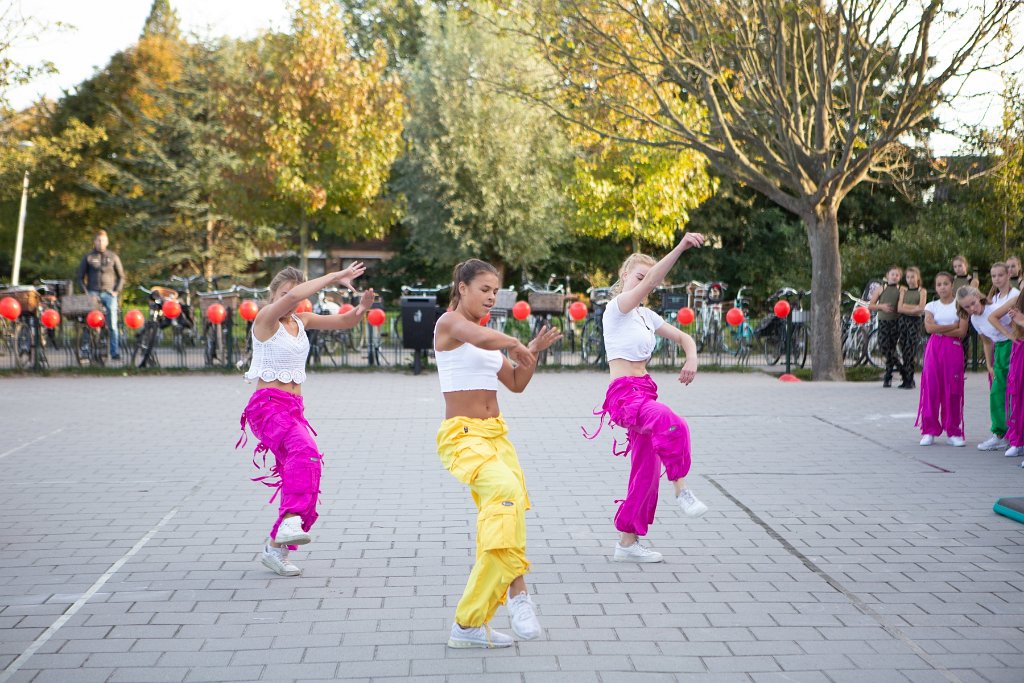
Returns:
(861,315)
(216,314)
(134,319)
(734,316)
(578,310)
(96,319)
(248,310)
(50,318)
(304,306)
(782,308)
(345,308)
(10,308)
(376,317)
(486,319)
(171,308)
(685,315)
(521,310)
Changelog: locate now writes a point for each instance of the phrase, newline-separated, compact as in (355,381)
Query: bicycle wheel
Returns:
(713,344)
(209,344)
(853,348)
(145,349)
(24,345)
(745,341)
(592,342)
(558,348)
(178,343)
(83,345)
(873,352)
(774,342)
(730,339)
(801,340)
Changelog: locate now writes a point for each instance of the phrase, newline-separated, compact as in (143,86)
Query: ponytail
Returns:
(465,273)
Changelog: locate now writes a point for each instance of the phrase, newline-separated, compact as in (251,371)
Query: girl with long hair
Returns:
(941,406)
(1008,318)
(912,301)
(886,302)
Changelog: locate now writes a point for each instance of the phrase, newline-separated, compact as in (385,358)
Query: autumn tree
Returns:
(484,172)
(804,100)
(316,128)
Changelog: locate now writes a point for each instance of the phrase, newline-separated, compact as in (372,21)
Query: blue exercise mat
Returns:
(1011,507)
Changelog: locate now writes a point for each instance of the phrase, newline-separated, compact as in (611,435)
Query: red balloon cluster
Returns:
(345,308)
(171,308)
(95,319)
(50,318)
(861,315)
(10,308)
(782,308)
(578,310)
(134,319)
(376,317)
(248,309)
(216,314)
(734,317)
(304,306)
(521,310)
(685,315)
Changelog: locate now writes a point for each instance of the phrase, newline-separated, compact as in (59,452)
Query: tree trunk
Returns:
(303,259)
(826,292)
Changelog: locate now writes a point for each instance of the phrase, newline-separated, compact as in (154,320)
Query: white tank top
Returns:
(281,358)
(468,368)
(629,336)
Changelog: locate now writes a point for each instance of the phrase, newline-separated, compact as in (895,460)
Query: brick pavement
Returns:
(836,549)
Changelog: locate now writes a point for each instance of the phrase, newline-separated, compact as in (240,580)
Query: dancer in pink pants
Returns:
(941,406)
(656,435)
(1008,318)
(275,413)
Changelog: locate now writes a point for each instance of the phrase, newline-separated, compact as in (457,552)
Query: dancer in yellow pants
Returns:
(473,445)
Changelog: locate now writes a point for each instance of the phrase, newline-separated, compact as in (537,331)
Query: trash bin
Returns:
(419,315)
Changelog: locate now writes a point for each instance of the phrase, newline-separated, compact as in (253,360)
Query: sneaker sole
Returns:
(638,560)
(466,644)
(520,636)
(271,567)
(301,539)
(695,515)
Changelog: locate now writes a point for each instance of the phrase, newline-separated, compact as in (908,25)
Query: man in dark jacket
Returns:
(100,273)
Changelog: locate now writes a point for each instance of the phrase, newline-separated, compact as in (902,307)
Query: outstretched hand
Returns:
(692,239)
(345,277)
(688,373)
(522,356)
(366,300)
(544,339)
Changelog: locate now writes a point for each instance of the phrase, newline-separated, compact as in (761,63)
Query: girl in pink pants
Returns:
(656,435)
(941,406)
(1008,318)
(275,413)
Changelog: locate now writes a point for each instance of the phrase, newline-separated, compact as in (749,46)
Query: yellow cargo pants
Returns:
(478,453)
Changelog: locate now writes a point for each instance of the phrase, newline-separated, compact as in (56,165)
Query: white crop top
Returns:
(943,314)
(281,358)
(629,336)
(468,368)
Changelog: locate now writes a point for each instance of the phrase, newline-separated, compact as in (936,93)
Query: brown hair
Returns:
(946,275)
(465,273)
(289,274)
(100,233)
(992,292)
(627,265)
(965,292)
(917,271)
(961,258)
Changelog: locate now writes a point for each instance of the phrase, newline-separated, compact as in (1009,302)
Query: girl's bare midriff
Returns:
(476,403)
(290,387)
(620,367)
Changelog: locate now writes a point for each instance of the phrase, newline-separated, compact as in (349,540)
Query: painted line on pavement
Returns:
(26,445)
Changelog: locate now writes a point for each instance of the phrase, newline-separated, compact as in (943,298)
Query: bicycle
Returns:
(706,299)
(245,357)
(326,343)
(774,331)
(738,340)
(144,350)
(670,298)
(546,307)
(23,337)
(187,319)
(592,349)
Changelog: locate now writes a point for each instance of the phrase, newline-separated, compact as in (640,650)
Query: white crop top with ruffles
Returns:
(281,358)
(629,336)
(468,368)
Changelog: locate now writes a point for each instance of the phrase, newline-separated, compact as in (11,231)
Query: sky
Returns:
(102,28)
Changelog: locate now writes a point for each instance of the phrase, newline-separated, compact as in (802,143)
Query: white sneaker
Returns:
(690,505)
(524,617)
(927,440)
(276,559)
(957,441)
(636,553)
(481,636)
(990,444)
(1014,451)
(290,532)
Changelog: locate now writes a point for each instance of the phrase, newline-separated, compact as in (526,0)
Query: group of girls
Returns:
(901,309)
(998,319)
(472,441)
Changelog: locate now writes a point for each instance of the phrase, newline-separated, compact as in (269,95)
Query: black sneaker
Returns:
(886,383)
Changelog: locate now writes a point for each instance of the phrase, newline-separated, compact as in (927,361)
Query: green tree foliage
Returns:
(484,172)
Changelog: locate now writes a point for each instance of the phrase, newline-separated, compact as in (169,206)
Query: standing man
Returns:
(100,273)
(1013,267)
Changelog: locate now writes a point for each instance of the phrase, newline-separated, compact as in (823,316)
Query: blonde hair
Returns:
(631,261)
(289,274)
(916,271)
(965,292)
(992,292)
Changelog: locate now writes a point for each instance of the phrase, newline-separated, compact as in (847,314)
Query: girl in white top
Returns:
(473,445)
(275,410)
(997,347)
(1008,318)
(656,435)
(941,405)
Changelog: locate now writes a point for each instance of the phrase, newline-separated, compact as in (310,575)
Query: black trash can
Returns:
(419,315)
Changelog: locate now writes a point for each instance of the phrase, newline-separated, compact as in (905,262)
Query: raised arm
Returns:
(266,320)
(627,301)
(995,318)
(687,344)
